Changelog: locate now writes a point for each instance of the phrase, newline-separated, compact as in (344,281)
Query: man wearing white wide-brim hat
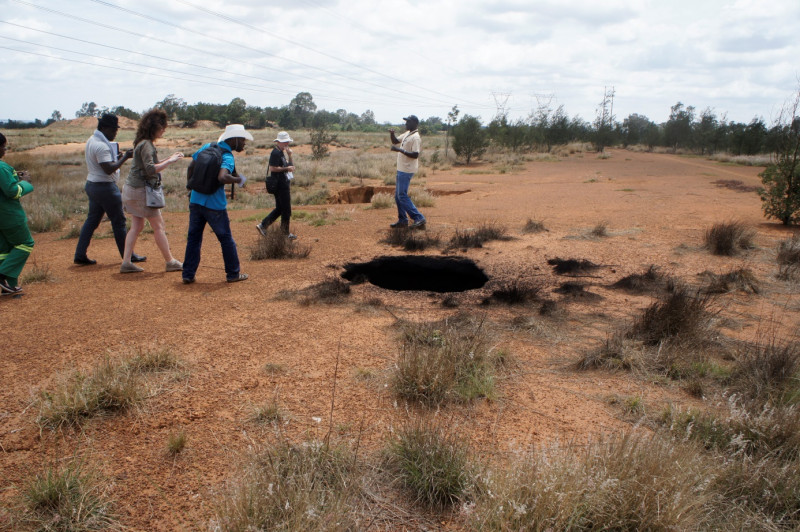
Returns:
(281,172)
(211,208)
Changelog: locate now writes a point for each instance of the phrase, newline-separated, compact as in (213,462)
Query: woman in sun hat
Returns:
(281,168)
(146,167)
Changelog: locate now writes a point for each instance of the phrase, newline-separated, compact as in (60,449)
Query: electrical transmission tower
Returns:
(501,102)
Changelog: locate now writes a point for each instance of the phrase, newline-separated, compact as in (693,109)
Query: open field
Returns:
(276,360)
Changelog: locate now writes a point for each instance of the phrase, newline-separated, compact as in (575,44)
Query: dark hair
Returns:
(2,139)
(150,123)
(108,120)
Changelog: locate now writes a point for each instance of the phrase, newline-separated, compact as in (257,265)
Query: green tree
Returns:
(452,118)
(302,107)
(87,109)
(171,105)
(678,130)
(780,195)
(236,112)
(56,116)
(469,138)
(321,137)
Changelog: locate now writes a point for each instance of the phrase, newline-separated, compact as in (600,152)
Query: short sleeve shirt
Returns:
(98,152)
(409,141)
(217,200)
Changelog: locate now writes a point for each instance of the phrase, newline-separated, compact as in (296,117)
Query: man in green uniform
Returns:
(16,242)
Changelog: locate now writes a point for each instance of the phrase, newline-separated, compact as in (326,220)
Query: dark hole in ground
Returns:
(432,274)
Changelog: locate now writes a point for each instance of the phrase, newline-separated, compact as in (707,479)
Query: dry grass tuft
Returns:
(650,281)
(728,238)
(789,258)
(275,245)
(517,291)
(533,226)
(742,279)
(475,238)
(431,461)
(411,239)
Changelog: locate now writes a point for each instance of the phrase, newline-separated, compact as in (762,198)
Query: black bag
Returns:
(272,184)
(204,177)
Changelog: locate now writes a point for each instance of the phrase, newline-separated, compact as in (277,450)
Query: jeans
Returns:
(104,198)
(283,207)
(405,207)
(218,220)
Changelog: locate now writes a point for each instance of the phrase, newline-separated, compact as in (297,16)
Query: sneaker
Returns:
(418,224)
(261,229)
(187,280)
(174,266)
(85,261)
(291,236)
(241,277)
(398,224)
(129,267)
(138,258)
(6,289)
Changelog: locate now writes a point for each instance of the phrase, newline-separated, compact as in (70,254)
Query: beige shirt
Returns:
(409,141)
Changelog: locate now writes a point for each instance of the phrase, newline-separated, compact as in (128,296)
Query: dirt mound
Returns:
(90,122)
(359,194)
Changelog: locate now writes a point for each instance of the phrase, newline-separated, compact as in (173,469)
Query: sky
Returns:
(740,58)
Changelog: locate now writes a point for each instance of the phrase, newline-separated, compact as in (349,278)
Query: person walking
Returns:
(281,169)
(146,169)
(103,161)
(407,147)
(211,208)
(16,242)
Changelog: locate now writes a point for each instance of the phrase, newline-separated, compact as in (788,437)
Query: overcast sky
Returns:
(739,57)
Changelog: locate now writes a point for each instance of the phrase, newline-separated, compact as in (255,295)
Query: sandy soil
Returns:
(656,208)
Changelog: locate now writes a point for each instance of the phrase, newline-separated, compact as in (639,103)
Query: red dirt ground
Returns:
(656,207)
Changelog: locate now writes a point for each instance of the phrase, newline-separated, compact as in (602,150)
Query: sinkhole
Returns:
(418,272)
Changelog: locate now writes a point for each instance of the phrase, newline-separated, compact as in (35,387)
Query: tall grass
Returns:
(275,245)
(281,486)
(449,360)
(728,238)
(68,496)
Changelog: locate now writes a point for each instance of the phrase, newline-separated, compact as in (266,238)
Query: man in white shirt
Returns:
(103,161)
(407,147)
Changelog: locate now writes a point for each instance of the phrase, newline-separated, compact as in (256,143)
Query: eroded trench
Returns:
(418,272)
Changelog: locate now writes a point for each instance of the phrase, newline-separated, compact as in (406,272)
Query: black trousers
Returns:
(283,207)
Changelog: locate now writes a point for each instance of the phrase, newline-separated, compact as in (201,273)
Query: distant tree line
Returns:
(685,130)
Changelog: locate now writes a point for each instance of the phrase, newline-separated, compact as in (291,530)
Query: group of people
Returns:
(104,161)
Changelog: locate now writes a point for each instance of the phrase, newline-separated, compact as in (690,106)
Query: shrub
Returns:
(517,291)
(789,258)
(767,369)
(422,198)
(37,274)
(275,245)
(444,361)
(727,238)
(431,461)
(293,487)
(600,230)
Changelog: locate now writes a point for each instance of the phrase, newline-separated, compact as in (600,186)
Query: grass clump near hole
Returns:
(533,226)
(449,360)
(431,462)
(330,291)
(68,496)
(599,231)
(728,238)
(176,442)
(411,239)
(282,486)
(381,200)
(742,279)
(446,360)
(475,238)
(275,245)
(682,314)
(626,483)
(516,291)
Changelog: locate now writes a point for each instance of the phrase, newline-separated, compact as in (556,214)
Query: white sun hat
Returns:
(283,137)
(233,131)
